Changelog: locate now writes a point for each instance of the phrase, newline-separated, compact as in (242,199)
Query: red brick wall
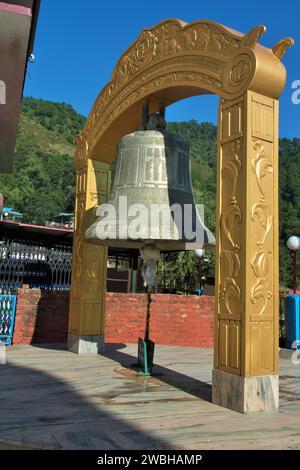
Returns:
(175,319)
(42,317)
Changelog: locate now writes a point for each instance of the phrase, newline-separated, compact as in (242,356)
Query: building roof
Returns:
(10,211)
(51,234)
(34,232)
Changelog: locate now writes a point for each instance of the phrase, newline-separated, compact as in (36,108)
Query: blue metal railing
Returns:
(7,317)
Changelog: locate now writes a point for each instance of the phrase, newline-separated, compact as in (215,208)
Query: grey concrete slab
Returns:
(54,399)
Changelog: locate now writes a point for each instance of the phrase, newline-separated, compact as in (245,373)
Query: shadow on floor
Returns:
(171,377)
(51,346)
(42,411)
(183,382)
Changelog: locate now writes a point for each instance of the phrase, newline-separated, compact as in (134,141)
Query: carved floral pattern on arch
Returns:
(216,45)
(172,36)
(168,38)
(101,117)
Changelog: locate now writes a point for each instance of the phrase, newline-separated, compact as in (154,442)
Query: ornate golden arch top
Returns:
(200,57)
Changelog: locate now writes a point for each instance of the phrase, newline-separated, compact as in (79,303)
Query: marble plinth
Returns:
(86,344)
(245,394)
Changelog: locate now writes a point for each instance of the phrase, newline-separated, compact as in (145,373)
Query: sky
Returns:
(78,44)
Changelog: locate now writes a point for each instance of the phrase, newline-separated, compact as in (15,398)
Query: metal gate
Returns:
(7,317)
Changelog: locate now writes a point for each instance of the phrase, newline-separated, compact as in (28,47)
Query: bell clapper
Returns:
(150,255)
(147,329)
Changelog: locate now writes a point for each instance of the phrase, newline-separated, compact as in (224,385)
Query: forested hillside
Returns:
(42,182)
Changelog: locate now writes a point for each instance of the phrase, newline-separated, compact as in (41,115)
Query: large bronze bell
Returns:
(152,171)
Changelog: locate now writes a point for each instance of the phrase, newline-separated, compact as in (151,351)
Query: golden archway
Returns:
(169,62)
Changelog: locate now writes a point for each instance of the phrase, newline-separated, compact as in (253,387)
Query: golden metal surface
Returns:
(167,63)
(87,305)
(247,238)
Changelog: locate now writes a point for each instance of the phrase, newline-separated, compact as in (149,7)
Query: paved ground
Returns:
(50,398)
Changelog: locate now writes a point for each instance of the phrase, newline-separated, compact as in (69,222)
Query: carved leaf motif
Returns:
(231,215)
(261,291)
(165,39)
(81,150)
(232,165)
(232,293)
(251,39)
(230,263)
(260,263)
(261,211)
(238,72)
(93,276)
(219,42)
(204,36)
(261,165)
(77,261)
(281,47)
(189,38)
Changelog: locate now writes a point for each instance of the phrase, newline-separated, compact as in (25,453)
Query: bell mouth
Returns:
(165,240)
(162,245)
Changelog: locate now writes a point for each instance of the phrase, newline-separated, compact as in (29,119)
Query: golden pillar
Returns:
(245,376)
(87,303)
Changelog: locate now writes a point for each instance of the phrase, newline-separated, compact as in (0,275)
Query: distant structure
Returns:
(18,19)
(7,213)
(63,220)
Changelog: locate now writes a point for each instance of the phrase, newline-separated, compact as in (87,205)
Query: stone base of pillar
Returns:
(245,394)
(86,344)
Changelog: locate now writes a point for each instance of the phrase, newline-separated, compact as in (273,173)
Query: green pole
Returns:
(134,279)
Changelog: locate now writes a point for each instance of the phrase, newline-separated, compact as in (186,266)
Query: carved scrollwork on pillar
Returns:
(230,216)
(260,291)
(260,263)
(82,150)
(94,281)
(261,165)
(231,294)
(78,242)
(261,211)
(232,166)
(230,264)
(230,291)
